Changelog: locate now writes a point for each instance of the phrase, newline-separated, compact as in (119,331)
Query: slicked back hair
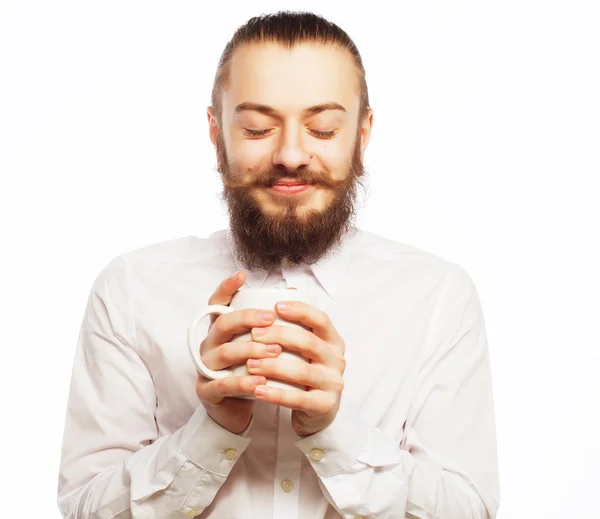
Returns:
(288,28)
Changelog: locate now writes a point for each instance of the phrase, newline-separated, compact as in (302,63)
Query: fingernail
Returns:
(253,363)
(234,275)
(284,306)
(273,348)
(259,331)
(267,315)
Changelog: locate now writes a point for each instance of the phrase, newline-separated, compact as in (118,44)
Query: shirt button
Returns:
(192,513)
(231,454)
(317,454)
(287,485)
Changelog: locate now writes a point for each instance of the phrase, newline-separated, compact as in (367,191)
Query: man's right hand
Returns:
(234,414)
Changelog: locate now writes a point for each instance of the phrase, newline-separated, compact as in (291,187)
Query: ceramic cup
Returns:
(257,298)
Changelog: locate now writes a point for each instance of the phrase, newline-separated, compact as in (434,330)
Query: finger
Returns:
(212,392)
(239,352)
(226,326)
(300,340)
(311,317)
(228,287)
(314,402)
(315,376)
(225,291)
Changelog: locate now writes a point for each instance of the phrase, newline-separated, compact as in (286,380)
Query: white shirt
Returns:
(414,437)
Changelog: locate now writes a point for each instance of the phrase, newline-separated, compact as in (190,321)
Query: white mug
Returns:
(258,298)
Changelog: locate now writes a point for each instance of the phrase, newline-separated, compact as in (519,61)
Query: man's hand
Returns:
(234,414)
(315,408)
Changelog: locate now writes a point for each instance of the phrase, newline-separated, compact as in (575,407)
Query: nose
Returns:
(291,153)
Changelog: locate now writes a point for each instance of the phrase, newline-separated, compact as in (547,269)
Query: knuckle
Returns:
(314,344)
(220,325)
(257,350)
(203,346)
(315,406)
(329,403)
(241,351)
(338,384)
(265,366)
(249,316)
(209,362)
(200,383)
(221,386)
(210,358)
(246,385)
(201,387)
(306,371)
(304,404)
(322,320)
(223,353)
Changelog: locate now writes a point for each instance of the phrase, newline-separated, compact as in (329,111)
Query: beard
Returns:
(262,240)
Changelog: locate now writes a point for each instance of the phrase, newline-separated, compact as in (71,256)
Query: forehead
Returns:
(289,80)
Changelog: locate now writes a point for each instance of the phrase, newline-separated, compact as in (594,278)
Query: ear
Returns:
(213,125)
(365,130)
(213,130)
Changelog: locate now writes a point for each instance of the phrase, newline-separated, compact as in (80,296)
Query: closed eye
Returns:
(317,133)
(323,135)
(257,133)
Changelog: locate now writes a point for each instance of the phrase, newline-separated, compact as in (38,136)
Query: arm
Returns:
(113,463)
(446,466)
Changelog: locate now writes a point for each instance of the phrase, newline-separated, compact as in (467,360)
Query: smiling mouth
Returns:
(289,188)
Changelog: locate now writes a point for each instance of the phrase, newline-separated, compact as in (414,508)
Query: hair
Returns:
(288,28)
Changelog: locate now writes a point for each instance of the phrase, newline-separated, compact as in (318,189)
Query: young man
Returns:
(397,420)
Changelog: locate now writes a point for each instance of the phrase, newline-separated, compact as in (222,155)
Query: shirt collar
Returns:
(329,270)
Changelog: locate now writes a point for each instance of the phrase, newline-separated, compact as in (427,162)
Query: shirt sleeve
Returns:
(446,465)
(113,462)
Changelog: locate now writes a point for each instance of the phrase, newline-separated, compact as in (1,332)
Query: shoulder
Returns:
(187,249)
(175,254)
(373,248)
(373,253)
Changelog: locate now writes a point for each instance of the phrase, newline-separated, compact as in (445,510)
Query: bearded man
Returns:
(397,418)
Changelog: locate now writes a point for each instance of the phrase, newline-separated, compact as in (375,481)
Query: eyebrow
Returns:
(268,110)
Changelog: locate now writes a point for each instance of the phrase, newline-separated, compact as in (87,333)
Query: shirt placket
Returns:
(294,276)
(287,469)
(289,458)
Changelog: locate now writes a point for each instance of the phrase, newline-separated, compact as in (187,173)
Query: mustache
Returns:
(270,177)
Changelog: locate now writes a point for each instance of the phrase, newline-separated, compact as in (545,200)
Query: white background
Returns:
(485,151)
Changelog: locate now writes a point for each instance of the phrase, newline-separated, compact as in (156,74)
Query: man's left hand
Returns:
(315,408)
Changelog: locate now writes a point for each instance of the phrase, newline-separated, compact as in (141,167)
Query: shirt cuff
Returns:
(337,445)
(211,446)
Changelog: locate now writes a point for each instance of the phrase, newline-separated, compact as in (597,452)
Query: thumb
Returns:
(228,287)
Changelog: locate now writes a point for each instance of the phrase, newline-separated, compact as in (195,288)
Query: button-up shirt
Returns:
(414,436)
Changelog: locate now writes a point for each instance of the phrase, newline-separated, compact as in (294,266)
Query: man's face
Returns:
(290,150)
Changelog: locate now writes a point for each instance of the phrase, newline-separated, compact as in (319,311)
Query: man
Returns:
(397,420)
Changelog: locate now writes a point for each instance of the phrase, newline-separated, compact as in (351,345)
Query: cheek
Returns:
(250,154)
(334,157)
(335,166)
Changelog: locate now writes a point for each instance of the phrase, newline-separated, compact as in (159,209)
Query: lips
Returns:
(290,182)
(290,187)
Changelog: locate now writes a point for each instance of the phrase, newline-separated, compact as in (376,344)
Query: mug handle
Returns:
(195,349)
